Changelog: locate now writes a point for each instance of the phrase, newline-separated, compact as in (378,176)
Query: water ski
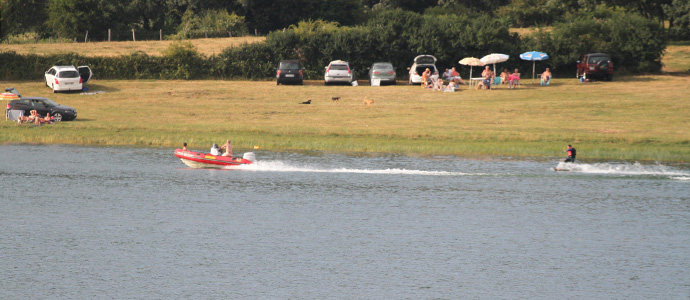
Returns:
(559,169)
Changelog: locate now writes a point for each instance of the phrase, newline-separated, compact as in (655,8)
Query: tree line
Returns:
(194,18)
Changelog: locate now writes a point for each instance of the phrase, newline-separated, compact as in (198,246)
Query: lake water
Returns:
(123,223)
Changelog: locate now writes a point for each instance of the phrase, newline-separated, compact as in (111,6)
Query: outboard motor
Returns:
(250,156)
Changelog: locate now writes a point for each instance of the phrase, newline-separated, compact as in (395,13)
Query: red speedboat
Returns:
(207,160)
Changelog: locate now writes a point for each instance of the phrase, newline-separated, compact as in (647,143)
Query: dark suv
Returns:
(289,71)
(595,65)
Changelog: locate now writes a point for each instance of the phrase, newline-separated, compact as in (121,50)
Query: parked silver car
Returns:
(382,71)
(339,71)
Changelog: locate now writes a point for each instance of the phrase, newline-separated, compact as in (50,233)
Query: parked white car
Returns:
(420,64)
(338,71)
(67,78)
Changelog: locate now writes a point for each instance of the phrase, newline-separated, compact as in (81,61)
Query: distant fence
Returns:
(110,36)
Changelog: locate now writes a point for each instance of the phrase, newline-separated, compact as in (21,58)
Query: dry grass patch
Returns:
(677,59)
(204,46)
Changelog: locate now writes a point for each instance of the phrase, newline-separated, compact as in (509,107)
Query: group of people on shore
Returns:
(35,118)
(506,77)
(512,79)
(450,75)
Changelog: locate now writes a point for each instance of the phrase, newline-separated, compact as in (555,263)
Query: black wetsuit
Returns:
(571,155)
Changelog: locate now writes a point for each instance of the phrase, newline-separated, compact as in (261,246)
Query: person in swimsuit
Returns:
(228,148)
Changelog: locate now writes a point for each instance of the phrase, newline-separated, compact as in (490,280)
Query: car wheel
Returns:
(57,117)
(326,83)
(301,83)
(277,82)
(609,77)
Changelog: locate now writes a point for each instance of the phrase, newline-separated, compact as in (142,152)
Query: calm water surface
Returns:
(121,223)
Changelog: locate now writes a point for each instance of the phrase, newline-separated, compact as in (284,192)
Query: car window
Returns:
(68,74)
(339,67)
(383,66)
(425,60)
(49,102)
(37,103)
(289,65)
(596,59)
(24,102)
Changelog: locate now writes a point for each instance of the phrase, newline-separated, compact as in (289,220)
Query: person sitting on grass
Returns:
(33,117)
(47,119)
(546,77)
(447,75)
(438,85)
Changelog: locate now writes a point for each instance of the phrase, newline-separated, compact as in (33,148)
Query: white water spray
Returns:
(279,166)
(623,169)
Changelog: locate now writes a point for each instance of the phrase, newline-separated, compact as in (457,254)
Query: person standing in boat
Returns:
(571,154)
(228,148)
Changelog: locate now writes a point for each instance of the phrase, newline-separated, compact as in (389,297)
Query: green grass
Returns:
(631,118)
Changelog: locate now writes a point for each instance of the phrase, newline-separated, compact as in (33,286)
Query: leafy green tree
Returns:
(268,15)
(634,42)
(679,19)
(72,18)
(20,16)
(211,23)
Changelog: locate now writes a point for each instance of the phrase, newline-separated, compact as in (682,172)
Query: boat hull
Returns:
(206,160)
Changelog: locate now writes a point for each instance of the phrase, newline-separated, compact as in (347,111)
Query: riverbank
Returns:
(631,118)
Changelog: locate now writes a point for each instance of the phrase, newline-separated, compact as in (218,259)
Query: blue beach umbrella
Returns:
(534,56)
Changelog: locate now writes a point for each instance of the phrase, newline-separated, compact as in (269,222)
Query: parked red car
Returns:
(595,65)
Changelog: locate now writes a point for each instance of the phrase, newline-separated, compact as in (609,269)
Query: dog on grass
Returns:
(306,102)
(368,102)
(335,99)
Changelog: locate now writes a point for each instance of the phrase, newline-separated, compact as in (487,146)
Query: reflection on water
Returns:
(83,222)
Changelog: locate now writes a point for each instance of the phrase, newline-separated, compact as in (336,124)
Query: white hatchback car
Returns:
(338,71)
(67,78)
(421,63)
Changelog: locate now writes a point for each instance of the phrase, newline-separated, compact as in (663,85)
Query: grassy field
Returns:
(677,58)
(204,46)
(631,118)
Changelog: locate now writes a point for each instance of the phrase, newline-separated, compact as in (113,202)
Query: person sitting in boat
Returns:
(184,146)
(228,148)
(571,154)
(215,150)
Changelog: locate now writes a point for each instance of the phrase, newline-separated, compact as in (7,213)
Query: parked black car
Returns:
(44,106)
(289,71)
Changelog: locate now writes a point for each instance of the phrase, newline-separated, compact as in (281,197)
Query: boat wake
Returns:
(279,166)
(625,169)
